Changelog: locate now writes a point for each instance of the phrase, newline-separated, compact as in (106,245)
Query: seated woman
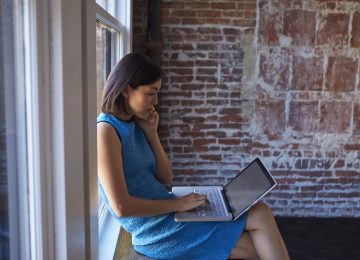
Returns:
(134,170)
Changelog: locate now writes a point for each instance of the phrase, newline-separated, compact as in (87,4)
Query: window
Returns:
(108,46)
(16,196)
(48,92)
(113,34)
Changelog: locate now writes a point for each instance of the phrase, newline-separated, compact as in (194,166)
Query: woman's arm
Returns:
(163,166)
(111,175)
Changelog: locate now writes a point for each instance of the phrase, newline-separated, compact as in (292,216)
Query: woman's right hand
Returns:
(190,201)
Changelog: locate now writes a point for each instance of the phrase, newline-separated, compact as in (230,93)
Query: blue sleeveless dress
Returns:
(160,237)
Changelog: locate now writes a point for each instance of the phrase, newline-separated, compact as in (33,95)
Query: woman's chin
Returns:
(143,115)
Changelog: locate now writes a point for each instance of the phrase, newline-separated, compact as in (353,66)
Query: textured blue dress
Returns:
(160,237)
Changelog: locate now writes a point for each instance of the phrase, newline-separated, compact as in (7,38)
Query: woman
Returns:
(134,170)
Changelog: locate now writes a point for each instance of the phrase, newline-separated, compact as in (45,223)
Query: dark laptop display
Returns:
(247,187)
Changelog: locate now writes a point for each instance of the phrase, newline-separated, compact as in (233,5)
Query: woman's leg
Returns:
(265,234)
(244,248)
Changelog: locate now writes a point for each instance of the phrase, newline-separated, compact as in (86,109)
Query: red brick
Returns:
(274,69)
(192,87)
(197,5)
(195,149)
(192,134)
(206,63)
(333,30)
(300,26)
(222,5)
(211,157)
(335,117)
(231,31)
(340,74)
(207,71)
(307,73)
(270,116)
(356,130)
(216,134)
(246,6)
(182,46)
(269,28)
(218,21)
(175,5)
(193,119)
(178,63)
(183,13)
(204,126)
(180,141)
(352,147)
(178,71)
(208,30)
(205,110)
(180,79)
(304,116)
(229,141)
(355,33)
(193,21)
(182,30)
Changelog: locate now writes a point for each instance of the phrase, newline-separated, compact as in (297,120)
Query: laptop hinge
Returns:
(226,202)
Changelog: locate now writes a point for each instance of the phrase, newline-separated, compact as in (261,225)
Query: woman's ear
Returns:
(125,92)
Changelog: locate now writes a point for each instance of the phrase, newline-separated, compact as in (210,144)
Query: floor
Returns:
(321,238)
(305,238)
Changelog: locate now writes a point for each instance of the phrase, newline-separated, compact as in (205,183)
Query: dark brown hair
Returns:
(132,70)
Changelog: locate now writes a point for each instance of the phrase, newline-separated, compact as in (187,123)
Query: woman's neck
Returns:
(124,112)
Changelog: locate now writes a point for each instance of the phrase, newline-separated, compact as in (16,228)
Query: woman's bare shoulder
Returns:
(107,132)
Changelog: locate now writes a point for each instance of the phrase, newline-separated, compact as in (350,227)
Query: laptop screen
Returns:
(248,187)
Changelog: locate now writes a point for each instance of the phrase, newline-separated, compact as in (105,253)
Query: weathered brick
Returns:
(340,74)
(307,73)
(355,32)
(274,69)
(233,101)
(269,28)
(223,5)
(300,26)
(356,130)
(208,13)
(333,29)
(299,116)
(335,117)
(270,116)
(211,157)
(197,5)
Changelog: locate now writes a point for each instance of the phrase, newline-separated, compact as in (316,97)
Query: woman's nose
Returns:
(155,100)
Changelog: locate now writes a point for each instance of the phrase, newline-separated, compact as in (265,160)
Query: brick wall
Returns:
(269,78)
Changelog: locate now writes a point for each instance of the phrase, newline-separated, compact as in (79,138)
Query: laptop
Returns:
(229,202)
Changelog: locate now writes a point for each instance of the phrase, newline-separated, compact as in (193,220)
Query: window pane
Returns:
(108,45)
(107,53)
(108,5)
(6,17)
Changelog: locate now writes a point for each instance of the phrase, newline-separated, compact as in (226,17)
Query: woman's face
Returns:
(142,100)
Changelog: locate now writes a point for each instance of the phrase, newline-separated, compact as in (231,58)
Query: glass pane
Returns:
(108,45)
(108,5)
(5,58)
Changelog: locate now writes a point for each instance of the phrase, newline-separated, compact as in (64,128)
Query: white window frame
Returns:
(56,191)
(57,201)
(109,227)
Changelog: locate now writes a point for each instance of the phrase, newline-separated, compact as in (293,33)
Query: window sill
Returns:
(109,237)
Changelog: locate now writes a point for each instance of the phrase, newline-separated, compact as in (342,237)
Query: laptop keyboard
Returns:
(215,207)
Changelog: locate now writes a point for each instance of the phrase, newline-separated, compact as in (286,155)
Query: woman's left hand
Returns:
(150,123)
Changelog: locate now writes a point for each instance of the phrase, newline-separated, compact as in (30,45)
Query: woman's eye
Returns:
(151,94)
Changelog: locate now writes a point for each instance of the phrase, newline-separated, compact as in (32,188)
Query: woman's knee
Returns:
(259,215)
(263,209)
